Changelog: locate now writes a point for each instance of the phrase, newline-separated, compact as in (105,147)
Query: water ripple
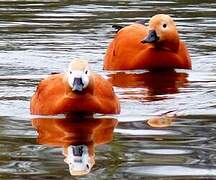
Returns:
(41,37)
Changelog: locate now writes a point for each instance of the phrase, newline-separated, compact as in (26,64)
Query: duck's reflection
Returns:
(78,136)
(163,121)
(155,82)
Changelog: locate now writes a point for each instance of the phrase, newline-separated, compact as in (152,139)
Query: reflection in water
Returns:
(40,37)
(162,121)
(155,83)
(78,136)
(79,160)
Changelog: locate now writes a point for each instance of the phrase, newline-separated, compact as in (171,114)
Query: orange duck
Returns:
(78,137)
(157,46)
(77,91)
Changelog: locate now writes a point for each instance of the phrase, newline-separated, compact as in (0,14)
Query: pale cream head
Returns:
(164,26)
(162,33)
(78,74)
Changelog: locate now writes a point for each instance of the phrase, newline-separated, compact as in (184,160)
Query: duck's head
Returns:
(162,32)
(78,75)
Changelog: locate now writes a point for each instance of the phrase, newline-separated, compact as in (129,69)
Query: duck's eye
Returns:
(164,25)
(87,166)
(86,71)
(70,72)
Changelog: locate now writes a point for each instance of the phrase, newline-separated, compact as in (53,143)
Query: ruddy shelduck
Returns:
(78,90)
(156,46)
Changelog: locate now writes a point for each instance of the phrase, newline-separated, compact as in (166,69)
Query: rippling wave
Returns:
(166,129)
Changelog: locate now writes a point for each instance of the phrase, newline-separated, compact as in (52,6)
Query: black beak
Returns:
(152,37)
(77,150)
(77,84)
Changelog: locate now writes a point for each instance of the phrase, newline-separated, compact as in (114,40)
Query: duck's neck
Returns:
(90,88)
(168,45)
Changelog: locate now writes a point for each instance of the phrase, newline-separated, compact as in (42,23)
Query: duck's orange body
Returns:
(128,50)
(54,96)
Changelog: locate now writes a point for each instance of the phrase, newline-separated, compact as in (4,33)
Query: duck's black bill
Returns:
(151,38)
(77,84)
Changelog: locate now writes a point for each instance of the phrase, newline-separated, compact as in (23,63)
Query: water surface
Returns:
(40,37)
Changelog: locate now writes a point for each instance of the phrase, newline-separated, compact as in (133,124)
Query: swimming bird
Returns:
(78,90)
(156,46)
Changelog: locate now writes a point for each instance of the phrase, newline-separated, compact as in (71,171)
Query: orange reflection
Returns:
(163,121)
(154,82)
(78,136)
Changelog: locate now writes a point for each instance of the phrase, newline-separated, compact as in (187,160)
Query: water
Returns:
(40,37)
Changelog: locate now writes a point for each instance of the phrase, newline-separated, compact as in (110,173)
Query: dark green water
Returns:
(40,37)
